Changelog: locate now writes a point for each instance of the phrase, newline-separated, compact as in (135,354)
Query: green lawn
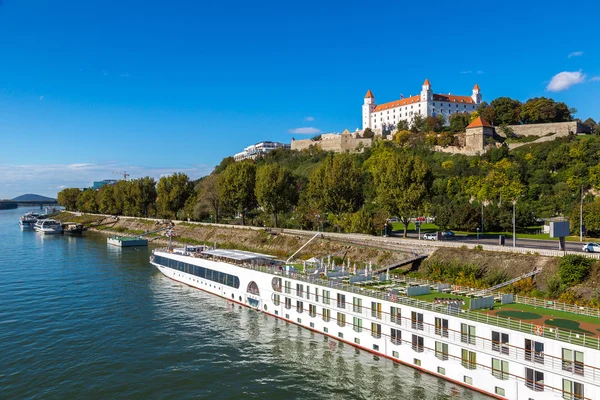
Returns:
(546,312)
(425,228)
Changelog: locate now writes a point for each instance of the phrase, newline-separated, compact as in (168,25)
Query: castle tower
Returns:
(426,92)
(477,134)
(476,96)
(367,109)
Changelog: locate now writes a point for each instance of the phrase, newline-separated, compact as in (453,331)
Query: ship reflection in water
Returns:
(277,360)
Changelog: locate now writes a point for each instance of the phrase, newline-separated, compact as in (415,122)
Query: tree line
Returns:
(313,189)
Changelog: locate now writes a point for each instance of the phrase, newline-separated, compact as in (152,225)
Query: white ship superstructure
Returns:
(503,358)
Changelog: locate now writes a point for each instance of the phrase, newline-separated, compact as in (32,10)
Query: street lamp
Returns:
(477,235)
(581,217)
(514,221)
(483,203)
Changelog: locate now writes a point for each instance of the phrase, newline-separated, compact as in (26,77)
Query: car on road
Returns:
(447,234)
(591,247)
(430,236)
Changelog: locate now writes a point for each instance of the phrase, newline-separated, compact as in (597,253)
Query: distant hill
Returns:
(33,197)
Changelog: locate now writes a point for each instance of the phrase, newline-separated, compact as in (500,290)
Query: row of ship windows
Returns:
(201,272)
(533,351)
(534,379)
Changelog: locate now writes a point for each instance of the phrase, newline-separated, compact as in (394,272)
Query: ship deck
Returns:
(568,327)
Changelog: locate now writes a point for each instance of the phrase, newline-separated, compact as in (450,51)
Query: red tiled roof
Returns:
(398,103)
(479,123)
(476,87)
(426,82)
(453,99)
(369,95)
(415,99)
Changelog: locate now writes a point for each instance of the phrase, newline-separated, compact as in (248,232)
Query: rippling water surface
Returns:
(79,319)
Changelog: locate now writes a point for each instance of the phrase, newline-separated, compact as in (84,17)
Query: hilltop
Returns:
(33,197)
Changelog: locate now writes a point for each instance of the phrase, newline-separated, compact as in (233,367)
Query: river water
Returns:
(80,319)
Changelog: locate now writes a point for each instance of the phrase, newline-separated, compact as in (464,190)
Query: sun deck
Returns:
(535,320)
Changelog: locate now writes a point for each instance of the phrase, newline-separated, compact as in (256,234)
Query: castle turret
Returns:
(426,92)
(368,108)
(476,96)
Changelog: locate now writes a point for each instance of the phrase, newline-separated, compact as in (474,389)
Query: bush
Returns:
(555,288)
(573,269)
(570,297)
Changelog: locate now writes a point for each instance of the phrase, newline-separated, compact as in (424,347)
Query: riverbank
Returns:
(276,243)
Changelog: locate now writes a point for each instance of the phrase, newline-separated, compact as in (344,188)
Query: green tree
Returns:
(142,196)
(336,184)
(506,111)
(87,201)
(418,124)
(209,196)
(275,189)
(172,193)
(402,183)
(368,133)
(573,269)
(402,126)
(541,110)
(236,187)
(106,200)
(227,161)
(459,122)
(485,111)
(68,198)
(592,124)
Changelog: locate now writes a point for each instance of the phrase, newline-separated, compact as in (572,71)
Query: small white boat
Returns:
(48,226)
(28,220)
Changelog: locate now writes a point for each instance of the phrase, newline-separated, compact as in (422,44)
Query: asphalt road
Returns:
(528,243)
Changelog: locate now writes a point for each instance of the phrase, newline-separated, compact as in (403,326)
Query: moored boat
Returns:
(126,241)
(73,228)
(48,226)
(28,220)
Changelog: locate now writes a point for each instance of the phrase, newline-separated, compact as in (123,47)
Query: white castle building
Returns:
(385,117)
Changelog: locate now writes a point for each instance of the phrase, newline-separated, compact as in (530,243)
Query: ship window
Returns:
(253,288)
(276,284)
(534,380)
(572,390)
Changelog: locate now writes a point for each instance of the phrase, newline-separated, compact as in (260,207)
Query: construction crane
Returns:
(124,173)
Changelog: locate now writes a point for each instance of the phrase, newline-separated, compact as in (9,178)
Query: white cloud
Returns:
(48,179)
(309,118)
(309,130)
(595,79)
(125,75)
(41,98)
(479,72)
(466,72)
(564,80)
(575,54)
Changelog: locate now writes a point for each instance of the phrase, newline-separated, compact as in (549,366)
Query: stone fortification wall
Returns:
(559,128)
(336,143)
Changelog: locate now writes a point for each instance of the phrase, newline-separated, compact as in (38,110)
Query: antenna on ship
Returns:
(303,246)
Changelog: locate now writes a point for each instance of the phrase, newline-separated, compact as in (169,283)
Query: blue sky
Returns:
(89,88)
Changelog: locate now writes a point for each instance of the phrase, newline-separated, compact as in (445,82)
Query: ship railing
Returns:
(568,336)
(553,333)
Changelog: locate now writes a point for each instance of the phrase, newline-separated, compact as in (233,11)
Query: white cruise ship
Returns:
(502,357)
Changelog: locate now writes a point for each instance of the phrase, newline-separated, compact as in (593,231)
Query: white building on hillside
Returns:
(385,117)
(258,149)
